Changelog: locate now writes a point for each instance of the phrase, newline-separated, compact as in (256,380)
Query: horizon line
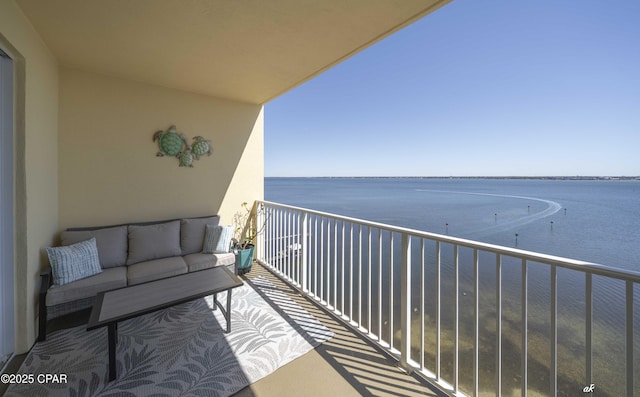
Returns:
(571,177)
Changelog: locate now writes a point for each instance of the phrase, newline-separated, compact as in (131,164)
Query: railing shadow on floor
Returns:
(366,367)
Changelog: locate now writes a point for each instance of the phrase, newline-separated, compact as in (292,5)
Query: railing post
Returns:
(438,309)
(456,319)
(553,337)
(476,322)
(498,325)
(524,367)
(629,338)
(259,238)
(303,251)
(405,304)
(589,328)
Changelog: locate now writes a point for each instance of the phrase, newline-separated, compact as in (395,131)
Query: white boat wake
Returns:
(552,208)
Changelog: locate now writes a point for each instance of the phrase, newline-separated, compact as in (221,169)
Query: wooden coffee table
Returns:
(124,303)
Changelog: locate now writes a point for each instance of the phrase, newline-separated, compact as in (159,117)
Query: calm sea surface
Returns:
(595,220)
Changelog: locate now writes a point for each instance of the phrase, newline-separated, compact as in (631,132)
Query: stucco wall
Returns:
(36,161)
(84,155)
(108,169)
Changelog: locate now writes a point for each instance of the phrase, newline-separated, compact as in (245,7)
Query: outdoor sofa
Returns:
(127,254)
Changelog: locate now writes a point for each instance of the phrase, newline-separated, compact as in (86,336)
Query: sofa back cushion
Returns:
(192,233)
(111,243)
(147,242)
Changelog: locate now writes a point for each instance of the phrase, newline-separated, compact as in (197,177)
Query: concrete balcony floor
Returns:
(346,365)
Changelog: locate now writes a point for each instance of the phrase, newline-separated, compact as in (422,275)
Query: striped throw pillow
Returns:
(217,239)
(74,262)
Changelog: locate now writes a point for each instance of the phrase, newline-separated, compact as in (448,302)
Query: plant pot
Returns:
(244,260)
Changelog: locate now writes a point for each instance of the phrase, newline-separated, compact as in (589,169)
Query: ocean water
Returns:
(591,220)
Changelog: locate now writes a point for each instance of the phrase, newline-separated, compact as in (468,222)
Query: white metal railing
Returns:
(457,310)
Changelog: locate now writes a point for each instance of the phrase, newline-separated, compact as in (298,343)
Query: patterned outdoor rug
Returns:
(181,350)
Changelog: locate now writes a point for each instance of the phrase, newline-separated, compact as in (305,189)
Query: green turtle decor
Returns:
(200,147)
(175,144)
(170,142)
(185,158)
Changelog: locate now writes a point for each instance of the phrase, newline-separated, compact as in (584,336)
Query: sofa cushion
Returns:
(155,241)
(111,242)
(217,239)
(155,269)
(74,262)
(192,233)
(108,279)
(200,261)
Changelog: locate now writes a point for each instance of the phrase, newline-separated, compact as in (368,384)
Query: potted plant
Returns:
(244,256)
(246,233)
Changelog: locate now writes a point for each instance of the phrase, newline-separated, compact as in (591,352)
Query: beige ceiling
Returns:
(245,50)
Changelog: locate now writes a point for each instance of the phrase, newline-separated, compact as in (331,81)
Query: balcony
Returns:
(459,317)
(471,318)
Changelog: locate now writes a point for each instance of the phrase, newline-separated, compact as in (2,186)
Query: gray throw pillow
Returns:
(217,239)
(153,241)
(74,262)
(111,242)
(192,233)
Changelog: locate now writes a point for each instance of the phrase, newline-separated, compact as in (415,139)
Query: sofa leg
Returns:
(45,282)
(42,322)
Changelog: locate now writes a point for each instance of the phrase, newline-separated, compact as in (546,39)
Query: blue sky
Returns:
(477,88)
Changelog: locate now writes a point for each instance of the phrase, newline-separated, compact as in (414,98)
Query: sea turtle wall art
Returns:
(200,147)
(175,144)
(170,142)
(185,158)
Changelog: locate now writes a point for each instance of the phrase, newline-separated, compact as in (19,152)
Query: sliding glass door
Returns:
(7,330)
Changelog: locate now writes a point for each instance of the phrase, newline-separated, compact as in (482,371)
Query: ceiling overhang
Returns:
(243,50)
